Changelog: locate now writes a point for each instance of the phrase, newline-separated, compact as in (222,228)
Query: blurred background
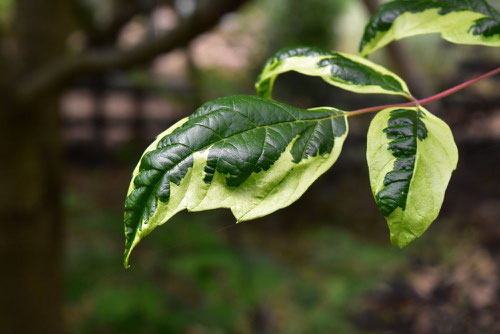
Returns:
(86,85)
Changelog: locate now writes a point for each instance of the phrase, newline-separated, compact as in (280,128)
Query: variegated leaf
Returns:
(411,155)
(349,72)
(458,21)
(246,153)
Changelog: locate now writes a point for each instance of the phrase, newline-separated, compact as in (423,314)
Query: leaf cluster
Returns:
(255,155)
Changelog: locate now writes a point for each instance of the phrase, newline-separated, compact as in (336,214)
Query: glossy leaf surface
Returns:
(246,153)
(349,72)
(411,155)
(458,21)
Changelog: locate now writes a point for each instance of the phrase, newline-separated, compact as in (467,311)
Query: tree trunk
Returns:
(30,237)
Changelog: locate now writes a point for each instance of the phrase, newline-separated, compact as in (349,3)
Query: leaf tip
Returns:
(401,239)
(126,258)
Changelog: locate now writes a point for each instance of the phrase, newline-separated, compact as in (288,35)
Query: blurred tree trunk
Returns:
(30,242)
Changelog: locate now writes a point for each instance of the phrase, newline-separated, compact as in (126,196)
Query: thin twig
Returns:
(428,99)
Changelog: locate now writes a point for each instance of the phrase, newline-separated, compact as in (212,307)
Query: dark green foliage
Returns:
(404,128)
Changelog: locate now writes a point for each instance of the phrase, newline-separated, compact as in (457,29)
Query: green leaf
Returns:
(246,153)
(349,72)
(411,155)
(458,21)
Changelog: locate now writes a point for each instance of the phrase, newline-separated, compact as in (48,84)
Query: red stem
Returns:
(428,99)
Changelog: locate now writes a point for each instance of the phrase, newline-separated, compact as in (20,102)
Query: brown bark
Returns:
(30,241)
(30,238)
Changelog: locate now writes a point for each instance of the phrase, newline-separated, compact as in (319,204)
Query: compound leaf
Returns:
(349,72)
(246,153)
(458,21)
(411,155)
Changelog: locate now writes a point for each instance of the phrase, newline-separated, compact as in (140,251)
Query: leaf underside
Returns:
(458,21)
(246,153)
(342,70)
(411,155)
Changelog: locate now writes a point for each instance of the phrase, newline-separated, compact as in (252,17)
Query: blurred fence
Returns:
(102,114)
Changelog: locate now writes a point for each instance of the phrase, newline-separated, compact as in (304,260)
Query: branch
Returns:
(430,99)
(123,11)
(61,71)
